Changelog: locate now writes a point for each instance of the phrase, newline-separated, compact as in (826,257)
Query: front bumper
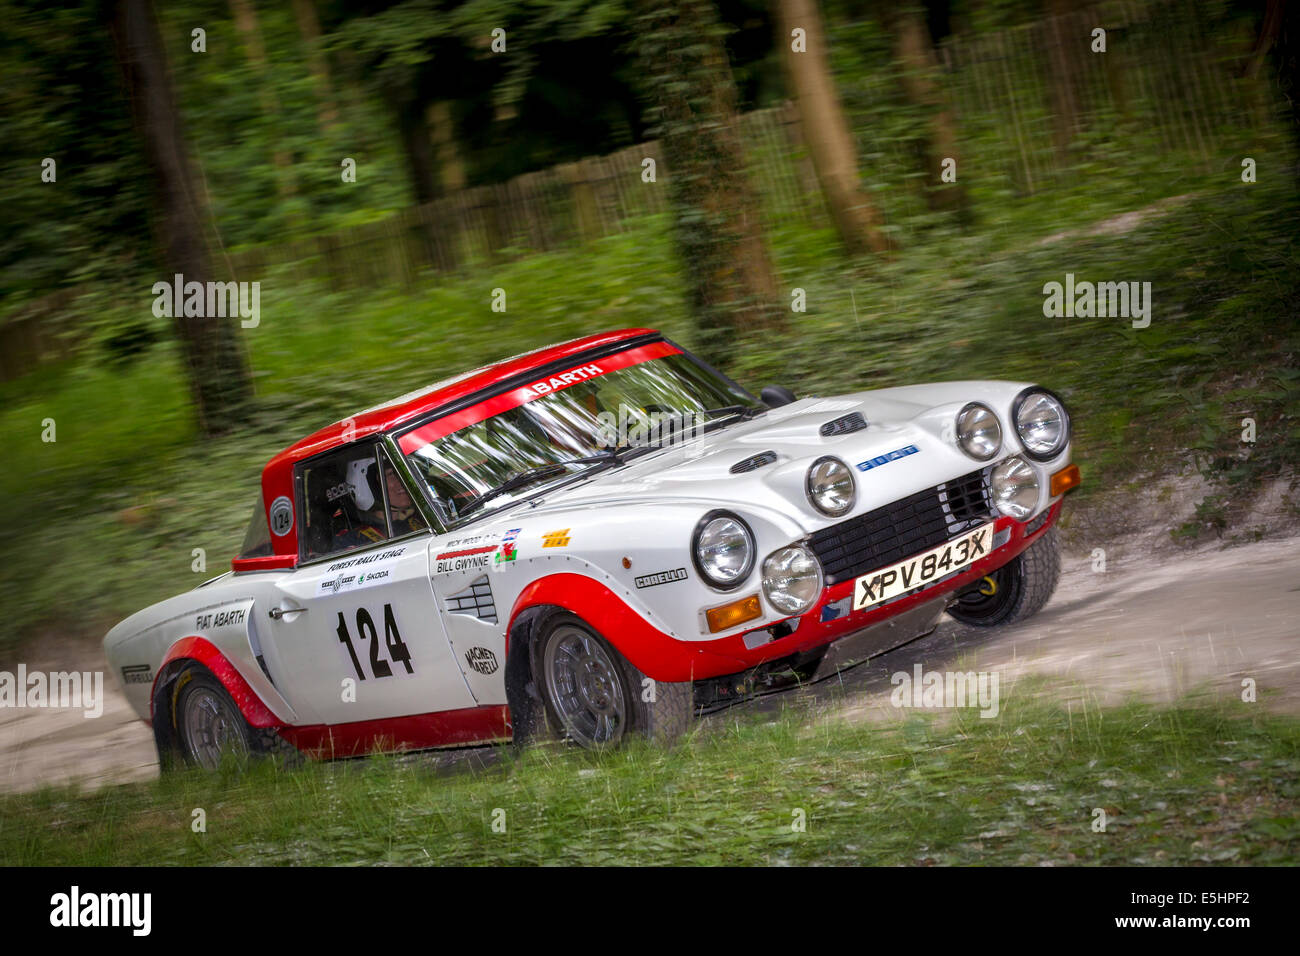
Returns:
(833,617)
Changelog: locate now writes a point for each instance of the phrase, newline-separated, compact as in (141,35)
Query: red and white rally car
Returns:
(592,540)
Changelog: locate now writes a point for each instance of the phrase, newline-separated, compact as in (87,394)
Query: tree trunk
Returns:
(1063,71)
(246,23)
(442,132)
(327,112)
(916,56)
(418,149)
(719,234)
(214,358)
(826,130)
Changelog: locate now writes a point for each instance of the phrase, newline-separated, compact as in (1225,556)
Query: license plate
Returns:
(923,569)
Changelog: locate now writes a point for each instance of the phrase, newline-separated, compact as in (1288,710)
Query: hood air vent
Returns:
(851,422)
(753,462)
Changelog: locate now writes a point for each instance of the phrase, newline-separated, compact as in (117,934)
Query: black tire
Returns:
(202,708)
(1020,588)
(614,699)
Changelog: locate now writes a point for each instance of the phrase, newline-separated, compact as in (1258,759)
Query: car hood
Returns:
(700,470)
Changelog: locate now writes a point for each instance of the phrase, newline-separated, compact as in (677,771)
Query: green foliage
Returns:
(1180,786)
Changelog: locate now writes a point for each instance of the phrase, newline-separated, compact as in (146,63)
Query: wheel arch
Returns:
(658,655)
(190,651)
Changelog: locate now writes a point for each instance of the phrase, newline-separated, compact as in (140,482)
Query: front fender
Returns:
(655,654)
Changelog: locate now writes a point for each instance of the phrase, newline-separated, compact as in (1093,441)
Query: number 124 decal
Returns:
(397,651)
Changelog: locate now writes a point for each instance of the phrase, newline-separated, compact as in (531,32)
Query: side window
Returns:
(344,497)
(403,516)
(257,539)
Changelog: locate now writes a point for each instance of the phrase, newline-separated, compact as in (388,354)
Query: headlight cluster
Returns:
(723,549)
(830,486)
(978,432)
(792,579)
(1014,483)
(1042,423)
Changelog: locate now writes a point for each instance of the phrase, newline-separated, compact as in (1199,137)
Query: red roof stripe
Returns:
(534,390)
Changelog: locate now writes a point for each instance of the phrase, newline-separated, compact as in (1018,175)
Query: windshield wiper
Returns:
(730,411)
(540,473)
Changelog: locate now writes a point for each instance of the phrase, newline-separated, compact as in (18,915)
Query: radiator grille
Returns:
(902,528)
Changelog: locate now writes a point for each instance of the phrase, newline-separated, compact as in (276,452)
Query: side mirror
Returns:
(774,396)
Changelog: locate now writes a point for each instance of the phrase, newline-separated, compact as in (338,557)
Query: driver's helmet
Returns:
(363,482)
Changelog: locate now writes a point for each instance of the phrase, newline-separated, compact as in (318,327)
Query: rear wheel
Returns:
(1016,591)
(595,697)
(210,728)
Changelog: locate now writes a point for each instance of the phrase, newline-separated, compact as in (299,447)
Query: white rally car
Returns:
(593,540)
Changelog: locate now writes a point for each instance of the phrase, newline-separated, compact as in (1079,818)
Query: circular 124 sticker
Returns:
(281,516)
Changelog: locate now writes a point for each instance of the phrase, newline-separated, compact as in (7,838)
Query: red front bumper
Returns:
(664,658)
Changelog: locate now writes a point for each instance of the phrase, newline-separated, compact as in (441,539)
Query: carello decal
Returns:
(661,577)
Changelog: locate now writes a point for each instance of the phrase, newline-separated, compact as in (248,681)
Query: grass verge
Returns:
(1186,785)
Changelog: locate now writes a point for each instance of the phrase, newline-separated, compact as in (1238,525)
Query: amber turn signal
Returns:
(729,615)
(1065,479)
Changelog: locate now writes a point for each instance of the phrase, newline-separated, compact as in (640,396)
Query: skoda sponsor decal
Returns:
(661,577)
(363,571)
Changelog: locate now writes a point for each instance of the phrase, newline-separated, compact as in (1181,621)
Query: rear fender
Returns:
(189,651)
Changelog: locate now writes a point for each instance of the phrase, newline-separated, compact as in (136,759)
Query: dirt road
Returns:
(1189,624)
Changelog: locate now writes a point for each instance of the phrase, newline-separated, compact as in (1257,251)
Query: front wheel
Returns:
(1016,591)
(595,696)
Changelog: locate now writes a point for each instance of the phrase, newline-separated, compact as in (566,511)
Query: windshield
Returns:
(646,397)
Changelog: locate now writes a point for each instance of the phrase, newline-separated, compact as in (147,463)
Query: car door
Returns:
(356,624)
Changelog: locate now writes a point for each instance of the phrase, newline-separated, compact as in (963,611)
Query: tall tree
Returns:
(915,53)
(246,22)
(1065,34)
(214,358)
(715,209)
(304,11)
(825,128)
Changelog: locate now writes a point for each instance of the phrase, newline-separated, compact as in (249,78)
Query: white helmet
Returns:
(359,482)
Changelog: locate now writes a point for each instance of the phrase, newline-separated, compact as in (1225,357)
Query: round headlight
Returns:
(978,431)
(723,549)
(792,579)
(1042,423)
(830,486)
(1015,488)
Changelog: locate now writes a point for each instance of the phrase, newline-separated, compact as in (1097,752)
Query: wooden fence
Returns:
(1164,79)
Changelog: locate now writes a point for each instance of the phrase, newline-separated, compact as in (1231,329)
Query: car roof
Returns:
(418,403)
(408,410)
